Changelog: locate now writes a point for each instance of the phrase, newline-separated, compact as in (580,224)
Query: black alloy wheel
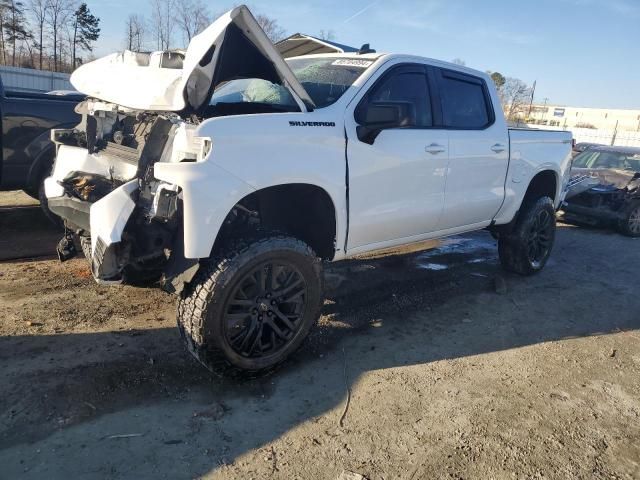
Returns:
(526,249)
(264,311)
(251,307)
(540,239)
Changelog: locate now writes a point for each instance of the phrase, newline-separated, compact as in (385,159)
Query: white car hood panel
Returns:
(131,81)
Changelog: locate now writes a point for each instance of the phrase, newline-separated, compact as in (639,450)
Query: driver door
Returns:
(396,183)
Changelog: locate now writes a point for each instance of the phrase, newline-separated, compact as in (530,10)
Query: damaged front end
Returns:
(141,116)
(103,186)
(601,195)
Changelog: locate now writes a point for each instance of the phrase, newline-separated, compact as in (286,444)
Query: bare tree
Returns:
(271,27)
(162,22)
(4,13)
(57,17)
(459,61)
(135,33)
(38,10)
(192,18)
(515,95)
(329,35)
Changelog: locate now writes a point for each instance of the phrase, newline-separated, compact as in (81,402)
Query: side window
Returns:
(464,101)
(410,87)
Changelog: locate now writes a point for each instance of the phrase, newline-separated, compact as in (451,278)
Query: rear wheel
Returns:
(254,307)
(630,224)
(528,247)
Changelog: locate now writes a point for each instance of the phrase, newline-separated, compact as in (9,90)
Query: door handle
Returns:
(498,148)
(434,148)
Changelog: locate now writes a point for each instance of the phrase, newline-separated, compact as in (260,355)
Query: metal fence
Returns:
(29,80)
(620,138)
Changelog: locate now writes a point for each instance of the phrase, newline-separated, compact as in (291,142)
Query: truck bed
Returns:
(532,151)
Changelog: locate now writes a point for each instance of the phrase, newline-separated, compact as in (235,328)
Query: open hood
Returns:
(232,47)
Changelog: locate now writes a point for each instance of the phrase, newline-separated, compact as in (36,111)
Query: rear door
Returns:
(478,150)
(396,184)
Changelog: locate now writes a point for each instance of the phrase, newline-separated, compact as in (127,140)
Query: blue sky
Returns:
(581,52)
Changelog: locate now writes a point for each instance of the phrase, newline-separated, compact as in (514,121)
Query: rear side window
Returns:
(408,87)
(465,101)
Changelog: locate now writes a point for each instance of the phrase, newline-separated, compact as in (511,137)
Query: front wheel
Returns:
(253,307)
(528,247)
(630,224)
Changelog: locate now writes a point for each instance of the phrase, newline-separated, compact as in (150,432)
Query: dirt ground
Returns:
(424,365)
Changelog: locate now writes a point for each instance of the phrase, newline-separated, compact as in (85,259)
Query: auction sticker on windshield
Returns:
(352,62)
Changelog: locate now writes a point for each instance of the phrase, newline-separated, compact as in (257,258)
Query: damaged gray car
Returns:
(605,189)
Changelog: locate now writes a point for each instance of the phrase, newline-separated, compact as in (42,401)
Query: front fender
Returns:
(208,193)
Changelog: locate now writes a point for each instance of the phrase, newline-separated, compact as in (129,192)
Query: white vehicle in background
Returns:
(229,175)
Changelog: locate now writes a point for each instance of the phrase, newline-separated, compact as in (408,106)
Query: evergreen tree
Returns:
(86,30)
(13,28)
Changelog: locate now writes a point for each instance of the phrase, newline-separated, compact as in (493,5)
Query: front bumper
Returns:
(600,214)
(105,220)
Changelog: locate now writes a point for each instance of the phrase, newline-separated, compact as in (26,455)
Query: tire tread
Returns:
(203,294)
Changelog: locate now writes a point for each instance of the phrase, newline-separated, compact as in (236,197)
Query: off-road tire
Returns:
(514,247)
(628,225)
(204,303)
(85,244)
(132,276)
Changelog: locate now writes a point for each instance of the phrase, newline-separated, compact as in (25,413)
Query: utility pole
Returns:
(615,134)
(533,92)
(544,112)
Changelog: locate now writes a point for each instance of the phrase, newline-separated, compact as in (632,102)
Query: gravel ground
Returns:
(424,365)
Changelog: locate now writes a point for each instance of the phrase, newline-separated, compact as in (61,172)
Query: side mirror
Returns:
(373,118)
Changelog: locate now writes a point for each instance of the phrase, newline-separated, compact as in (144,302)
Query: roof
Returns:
(623,150)
(300,44)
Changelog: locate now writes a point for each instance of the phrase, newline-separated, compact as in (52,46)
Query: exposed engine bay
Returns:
(596,195)
(115,151)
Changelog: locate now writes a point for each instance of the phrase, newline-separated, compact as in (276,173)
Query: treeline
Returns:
(173,23)
(60,35)
(51,35)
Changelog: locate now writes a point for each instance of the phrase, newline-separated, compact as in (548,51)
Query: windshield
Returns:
(599,159)
(253,90)
(327,78)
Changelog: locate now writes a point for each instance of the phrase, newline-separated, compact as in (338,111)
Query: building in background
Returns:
(591,118)
(607,126)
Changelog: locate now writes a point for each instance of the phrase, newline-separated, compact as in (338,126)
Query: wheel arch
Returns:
(303,210)
(545,183)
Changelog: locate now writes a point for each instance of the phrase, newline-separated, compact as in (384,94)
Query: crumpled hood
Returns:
(234,46)
(601,180)
(606,176)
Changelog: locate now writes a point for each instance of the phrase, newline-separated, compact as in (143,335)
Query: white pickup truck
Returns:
(228,175)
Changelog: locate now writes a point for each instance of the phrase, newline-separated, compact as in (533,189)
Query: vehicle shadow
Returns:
(26,231)
(76,390)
